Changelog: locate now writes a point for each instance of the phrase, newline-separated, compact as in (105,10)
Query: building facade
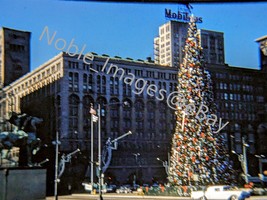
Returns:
(61,91)
(168,46)
(14,55)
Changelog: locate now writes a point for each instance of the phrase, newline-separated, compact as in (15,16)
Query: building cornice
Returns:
(43,75)
(261,38)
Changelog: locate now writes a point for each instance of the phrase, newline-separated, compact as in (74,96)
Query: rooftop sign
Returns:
(181,16)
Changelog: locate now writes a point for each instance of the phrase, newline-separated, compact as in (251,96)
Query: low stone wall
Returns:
(22,183)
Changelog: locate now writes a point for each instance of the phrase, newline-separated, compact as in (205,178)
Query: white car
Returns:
(123,189)
(222,192)
(88,188)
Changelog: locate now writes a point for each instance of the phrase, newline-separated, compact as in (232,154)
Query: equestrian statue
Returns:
(23,135)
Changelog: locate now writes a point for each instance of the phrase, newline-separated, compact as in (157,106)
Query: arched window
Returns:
(103,85)
(139,110)
(90,82)
(73,105)
(116,86)
(111,83)
(103,103)
(114,106)
(139,117)
(127,89)
(171,87)
(151,108)
(88,101)
(175,85)
(98,84)
(163,119)
(73,81)
(127,118)
(164,85)
(73,115)
(85,81)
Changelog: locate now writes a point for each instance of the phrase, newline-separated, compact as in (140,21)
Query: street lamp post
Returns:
(56,143)
(100,178)
(260,157)
(136,161)
(243,159)
(165,164)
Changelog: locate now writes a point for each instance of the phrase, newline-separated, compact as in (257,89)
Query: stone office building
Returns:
(14,54)
(61,91)
(14,63)
(168,46)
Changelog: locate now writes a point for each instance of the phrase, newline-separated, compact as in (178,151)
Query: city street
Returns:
(129,197)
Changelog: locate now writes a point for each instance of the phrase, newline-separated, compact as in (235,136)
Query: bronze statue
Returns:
(24,134)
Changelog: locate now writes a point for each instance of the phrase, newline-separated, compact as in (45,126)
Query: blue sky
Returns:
(128,29)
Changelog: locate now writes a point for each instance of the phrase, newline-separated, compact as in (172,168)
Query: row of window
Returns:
(167,27)
(37,78)
(167,44)
(237,106)
(234,77)
(237,87)
(237,116)
(137,72)
(101,84)
(14,36)
(240,97)
(16,48)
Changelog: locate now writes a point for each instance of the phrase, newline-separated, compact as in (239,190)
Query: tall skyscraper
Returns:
(212,43)
(14,55)
(168,46)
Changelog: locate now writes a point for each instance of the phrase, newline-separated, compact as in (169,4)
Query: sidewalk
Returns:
(129,197)
(116,197)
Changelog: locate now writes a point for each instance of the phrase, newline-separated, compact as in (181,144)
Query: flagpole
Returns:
(99,153)
(92,151)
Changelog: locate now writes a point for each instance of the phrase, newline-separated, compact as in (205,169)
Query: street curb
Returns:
(132,196)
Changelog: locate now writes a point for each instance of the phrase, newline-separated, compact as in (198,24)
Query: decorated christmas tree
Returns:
(198,155)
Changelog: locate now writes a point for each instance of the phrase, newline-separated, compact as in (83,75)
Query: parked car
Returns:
(88,188)
(220,192)
(135,187)
(111,188)
(145,185)
(123,189)
(259,191)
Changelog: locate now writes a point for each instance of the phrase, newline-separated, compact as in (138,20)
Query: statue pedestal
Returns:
(22,183)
